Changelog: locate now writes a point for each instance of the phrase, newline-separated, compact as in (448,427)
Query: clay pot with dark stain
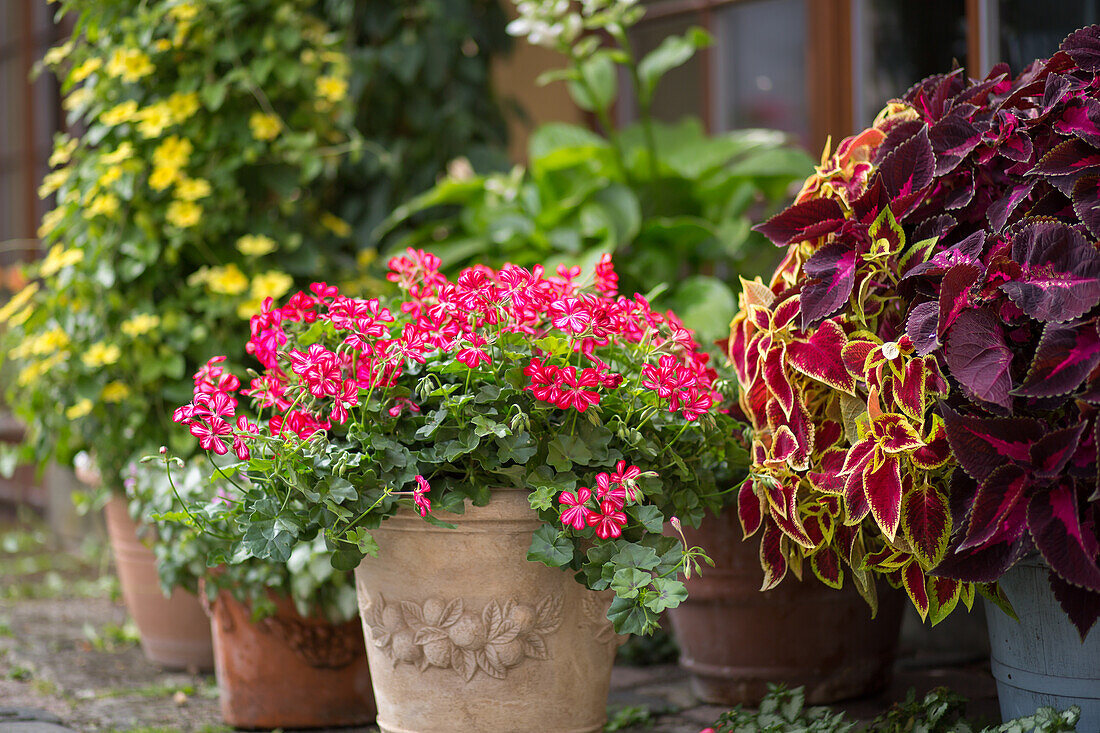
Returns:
(287,670)
(735,639)
(175,632)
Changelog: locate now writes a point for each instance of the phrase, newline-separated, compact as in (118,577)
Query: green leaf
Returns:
(565,450)
(555,136)
(597,88)
(649,516)
(341,488)
(666,593)
(636,556)
(628,581)
(706,305)
(549,547)
(629,617)
(347,557)
(517,448)
(674,51)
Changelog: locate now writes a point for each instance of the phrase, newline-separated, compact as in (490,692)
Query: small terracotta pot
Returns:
(174,630)
(465,634)
(735,639)
(288,671)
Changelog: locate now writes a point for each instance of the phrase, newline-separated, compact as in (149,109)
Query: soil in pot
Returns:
(735,639)
(1041,660)
(174,630)
(465,634)
(289,671)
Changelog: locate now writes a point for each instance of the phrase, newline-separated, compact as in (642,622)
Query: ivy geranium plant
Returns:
(923,370)
(604,409)
(184,545)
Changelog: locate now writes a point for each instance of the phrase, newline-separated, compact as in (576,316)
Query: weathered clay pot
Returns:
(174,630)
(734,639)
(464,634)
(288,671)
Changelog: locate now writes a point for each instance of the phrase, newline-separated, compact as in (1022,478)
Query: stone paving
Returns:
(68,661)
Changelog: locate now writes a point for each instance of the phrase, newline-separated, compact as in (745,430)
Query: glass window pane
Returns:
(680,92)
(761,66)
(900,42)
(1029,30)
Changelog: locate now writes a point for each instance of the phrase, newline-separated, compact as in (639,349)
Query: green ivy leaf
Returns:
(550,548)
(628,581)
(629,617)
(666,593)
(636,556)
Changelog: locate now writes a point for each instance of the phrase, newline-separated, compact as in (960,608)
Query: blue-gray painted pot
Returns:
(1041,660)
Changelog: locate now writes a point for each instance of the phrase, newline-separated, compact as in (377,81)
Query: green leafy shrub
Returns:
(188,198)
(672,203)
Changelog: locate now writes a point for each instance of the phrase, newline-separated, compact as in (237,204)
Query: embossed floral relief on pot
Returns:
(449,635)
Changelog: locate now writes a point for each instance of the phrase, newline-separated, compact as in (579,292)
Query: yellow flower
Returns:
(183,214)
(183,105)
(59,258)
(140,324)
(162,44)
(264,126)
(119,113)
(153,120)
(50,221)
(86,69)
(120,154)
(109,176)
(184,12)
(114,392)
(228,280)
(104,203)
(192,189)
(62,151)
(44,344)
(174,152)
(332,88)
(129,63)
(17,301)
(365,258)
(162,177)
(20,318)
(57,54)
(52,181)
(101,354)
(255,245)
(250,307)
(271,284)
(335,224)
(79,410)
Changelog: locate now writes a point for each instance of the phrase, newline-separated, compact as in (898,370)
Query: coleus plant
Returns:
(922,373)
(605,410)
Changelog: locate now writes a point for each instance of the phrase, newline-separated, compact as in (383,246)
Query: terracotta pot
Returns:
(174,630)
(734,639)
(288,671)
(464,634)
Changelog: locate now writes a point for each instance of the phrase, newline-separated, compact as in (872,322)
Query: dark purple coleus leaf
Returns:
(1053,451)
(1057,87)
(985,564)
(807,220)
(834,269)
(922,327)
(960,192)
(1068,157)
(968,250)
(979,358)
(952,139)
(981,444)
(936,226)
(1086,202)
(1081,606)
(1018,147)
(1060,278)
(955,293)
(1083,46)
(1081,118)
(909,167)
(999,511)
(1066,354)
(1053,516)
(1001,209)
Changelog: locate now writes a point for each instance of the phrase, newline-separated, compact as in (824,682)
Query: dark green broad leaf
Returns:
(550,548)
(630,617)
(565,450)
(516,448)
(466,442)
(347,557)
(706,305)
(666,593)
(648,516)
(269,539)
(636,556)
(341,489)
